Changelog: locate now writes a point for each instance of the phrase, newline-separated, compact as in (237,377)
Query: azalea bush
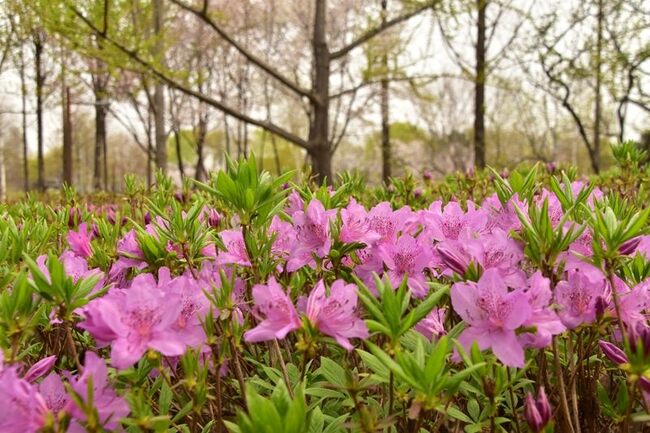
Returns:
(501,302)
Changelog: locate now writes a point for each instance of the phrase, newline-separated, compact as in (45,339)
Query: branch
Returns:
(268,126)
(379,29)
(202,14)
(567,105)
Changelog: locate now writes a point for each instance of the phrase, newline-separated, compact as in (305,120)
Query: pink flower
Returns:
(284,237)
(577,297)
(499,251)
(388,223)
(453,223)
(194,307)
(632,301)
(235,253)
(503,217)
(110,407)
(336,315)
(130,256)
(408,257)
(80,241)
(54,394)
(493,315)
(545,321)
(141,319)
(22,409)
(432,326)
(356,225)
(279,316)
(312,235)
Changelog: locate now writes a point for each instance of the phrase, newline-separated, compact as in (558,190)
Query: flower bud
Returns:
(214,218)
(537,412)
(147,218)
(614,353)
(74,216)
(629,247)
(551,167)
(451,257)
(40,369)
(427,176)
(417,193)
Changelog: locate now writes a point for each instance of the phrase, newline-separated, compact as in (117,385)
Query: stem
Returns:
(563,399)
(238,372)
(512,403)
(71,345)
(283,366)
(574,396)
(391,386)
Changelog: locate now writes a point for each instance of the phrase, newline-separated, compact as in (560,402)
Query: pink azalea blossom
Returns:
(235,253)
(110,407)
(501,216)
(432,326)
(276,311)
(499,251)
(493,315)
(80,241)
(577,297)
(388,223)
(356,225)
(543,319)
(22,409)
(452,223)
(408,257)
(312,235)
(141,319)
(284,237)
(633,302)
(336,315)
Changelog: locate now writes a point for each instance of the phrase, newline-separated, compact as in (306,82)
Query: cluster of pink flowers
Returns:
(33,400)
(507,305)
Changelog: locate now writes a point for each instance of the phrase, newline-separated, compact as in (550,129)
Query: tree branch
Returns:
(203,15)
(268,126)
(379,29)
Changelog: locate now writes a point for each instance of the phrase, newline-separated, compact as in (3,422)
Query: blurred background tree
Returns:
(382,86)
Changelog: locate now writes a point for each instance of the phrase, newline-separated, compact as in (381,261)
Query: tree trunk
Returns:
(23,94)
(479,92)
(40,78)
(3,173)
(200,173)
(595,154)
(385,121)
(159,94)
(99,175)
(67,138)
(179,155)
(319,146)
